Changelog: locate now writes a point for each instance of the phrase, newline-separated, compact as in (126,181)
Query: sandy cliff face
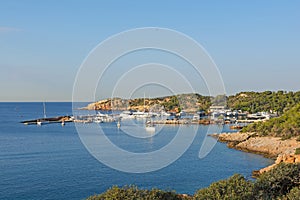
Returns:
(108,104)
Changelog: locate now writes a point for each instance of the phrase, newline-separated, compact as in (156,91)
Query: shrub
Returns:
(297,152)
(282,182)
(236,187)
(277,182)
(133,192)
(286,137)
(293,194)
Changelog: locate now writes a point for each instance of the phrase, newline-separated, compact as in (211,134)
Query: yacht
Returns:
(139,114)
(126,115)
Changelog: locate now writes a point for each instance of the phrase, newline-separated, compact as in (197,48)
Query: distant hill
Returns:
(175,103)
(251,102)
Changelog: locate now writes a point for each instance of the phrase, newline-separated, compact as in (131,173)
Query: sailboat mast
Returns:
(144,103)
(44,109)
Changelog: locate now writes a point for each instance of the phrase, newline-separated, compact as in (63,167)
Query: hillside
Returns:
(251,102)
(176,103)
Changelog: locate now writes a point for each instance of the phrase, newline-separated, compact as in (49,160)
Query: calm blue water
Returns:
(50,162)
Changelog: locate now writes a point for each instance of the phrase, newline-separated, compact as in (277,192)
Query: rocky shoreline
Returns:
(271,147)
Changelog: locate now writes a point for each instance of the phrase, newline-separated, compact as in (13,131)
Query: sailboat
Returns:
(150,126)
(118,124)
(149,123)
(141,114)
(40,121)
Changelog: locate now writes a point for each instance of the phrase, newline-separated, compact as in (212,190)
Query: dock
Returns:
(59,119)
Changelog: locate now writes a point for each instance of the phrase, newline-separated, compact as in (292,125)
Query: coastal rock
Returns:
(108,104)
(285,158)
(272,147)
(263,170)
(269,146)
(232,137)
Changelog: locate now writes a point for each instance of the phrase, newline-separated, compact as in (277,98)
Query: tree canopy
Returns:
(253,102)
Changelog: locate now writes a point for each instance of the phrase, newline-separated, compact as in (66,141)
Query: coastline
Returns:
(270,147)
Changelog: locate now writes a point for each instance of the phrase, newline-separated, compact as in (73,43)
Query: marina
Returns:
(217,115)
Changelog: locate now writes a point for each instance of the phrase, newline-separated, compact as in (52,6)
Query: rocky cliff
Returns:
(272,147)
(176,103)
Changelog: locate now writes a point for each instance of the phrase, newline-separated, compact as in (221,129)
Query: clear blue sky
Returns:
(255,44)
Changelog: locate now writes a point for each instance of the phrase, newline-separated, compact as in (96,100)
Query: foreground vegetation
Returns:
(285,126)
(282,182)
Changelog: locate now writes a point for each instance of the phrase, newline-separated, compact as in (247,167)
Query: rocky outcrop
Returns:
(187,102)
(108,104)
(269,146)
(285,158)
(232,137)
(272,147)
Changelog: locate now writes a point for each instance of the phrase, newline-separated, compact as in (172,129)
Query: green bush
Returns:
(282,182)
(286,137)
(277,182)
(297,152)
(133,192)
(236,187)
(293,194)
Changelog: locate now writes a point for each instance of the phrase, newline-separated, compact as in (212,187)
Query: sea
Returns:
(51,162)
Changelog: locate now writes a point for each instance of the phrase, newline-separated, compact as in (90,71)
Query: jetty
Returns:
(185,121)
(59,119)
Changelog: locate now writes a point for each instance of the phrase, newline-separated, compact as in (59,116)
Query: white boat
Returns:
(126,115)
(41,121)
(98,120)
(153,114)
(99,114)
(150,129)
(140,114)
(150,126)
(196,117)
(103,118)
(164,113)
